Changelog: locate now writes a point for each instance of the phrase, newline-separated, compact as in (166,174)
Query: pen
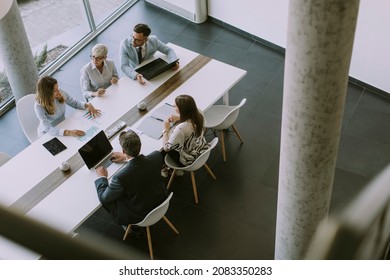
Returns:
(169,104)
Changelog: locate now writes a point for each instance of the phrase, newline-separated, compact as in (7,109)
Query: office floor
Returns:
(236,214)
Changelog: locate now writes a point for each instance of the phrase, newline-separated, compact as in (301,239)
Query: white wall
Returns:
(371,52)
(267,19)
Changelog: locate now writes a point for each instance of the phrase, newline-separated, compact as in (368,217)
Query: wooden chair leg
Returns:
(171,179)
(127,232)
(238,134)
(149,242)
(223,145)
(209,171)
(194,186)
(170,225)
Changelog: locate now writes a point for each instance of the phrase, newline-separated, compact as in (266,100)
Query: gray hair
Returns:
(99,50)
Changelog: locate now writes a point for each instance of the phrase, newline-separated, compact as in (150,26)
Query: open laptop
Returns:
(97,152)
(155,68)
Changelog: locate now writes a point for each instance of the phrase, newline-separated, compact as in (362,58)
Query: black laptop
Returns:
(97,151)
(155,68)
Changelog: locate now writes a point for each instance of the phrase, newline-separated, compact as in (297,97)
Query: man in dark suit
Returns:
(137,188)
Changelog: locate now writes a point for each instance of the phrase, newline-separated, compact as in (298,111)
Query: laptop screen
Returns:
(95,149)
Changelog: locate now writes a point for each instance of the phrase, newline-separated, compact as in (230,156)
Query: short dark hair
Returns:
(142,28)
(130,143)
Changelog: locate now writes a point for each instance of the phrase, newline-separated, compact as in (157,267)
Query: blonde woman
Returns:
(98,74)
(50,106)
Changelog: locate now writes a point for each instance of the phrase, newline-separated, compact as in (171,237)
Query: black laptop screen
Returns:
(95,149)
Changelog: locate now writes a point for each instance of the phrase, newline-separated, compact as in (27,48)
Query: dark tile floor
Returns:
(236,216)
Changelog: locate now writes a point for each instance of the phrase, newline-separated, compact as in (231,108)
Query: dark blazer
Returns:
(135,190)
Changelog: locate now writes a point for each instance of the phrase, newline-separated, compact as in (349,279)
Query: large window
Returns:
(58,29)
(102,9)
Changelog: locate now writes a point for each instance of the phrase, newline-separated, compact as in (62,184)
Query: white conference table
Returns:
(69,203)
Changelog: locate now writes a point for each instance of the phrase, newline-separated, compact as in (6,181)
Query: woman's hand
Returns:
(74,132)
(167,124)
(99,92)
(114,80)
(174,118)
(92,111)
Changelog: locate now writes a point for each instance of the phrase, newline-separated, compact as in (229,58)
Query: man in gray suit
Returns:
(140,47)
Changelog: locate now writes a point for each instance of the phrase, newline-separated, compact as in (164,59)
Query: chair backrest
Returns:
(4,158)
(202,159)
(27,118)
(232,116)
(156,214)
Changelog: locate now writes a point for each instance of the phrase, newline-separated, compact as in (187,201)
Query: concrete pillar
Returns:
(15,51)
(318,54)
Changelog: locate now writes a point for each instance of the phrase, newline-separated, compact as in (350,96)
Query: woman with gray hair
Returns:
(98,74)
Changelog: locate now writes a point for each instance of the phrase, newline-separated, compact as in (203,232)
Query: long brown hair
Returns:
(45,92)
(189,111)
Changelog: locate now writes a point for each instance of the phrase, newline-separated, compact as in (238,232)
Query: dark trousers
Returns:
(175,155)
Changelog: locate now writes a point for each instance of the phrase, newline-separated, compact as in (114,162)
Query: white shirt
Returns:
(91,79)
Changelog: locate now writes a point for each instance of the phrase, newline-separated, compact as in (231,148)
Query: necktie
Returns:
(139,52)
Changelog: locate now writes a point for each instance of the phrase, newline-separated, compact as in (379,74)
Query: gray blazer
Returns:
(129,58)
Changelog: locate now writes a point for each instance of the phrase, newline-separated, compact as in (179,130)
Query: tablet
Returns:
(54,146)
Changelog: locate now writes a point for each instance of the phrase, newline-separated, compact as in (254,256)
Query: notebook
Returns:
(153,125)
(155,68)
(163,112)
(97,152)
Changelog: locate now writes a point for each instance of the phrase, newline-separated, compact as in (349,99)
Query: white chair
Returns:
(153,217)
(4,158)
(27,118)
(197,164)
(221,117)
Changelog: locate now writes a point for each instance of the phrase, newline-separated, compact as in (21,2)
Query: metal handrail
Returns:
(55,245)
(361,230)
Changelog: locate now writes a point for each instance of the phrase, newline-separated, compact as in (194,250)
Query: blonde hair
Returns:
(99,50)
(45,92)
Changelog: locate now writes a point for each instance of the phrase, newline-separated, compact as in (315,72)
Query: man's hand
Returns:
(118,157)
(176,66)
(101,171)
(139,79)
